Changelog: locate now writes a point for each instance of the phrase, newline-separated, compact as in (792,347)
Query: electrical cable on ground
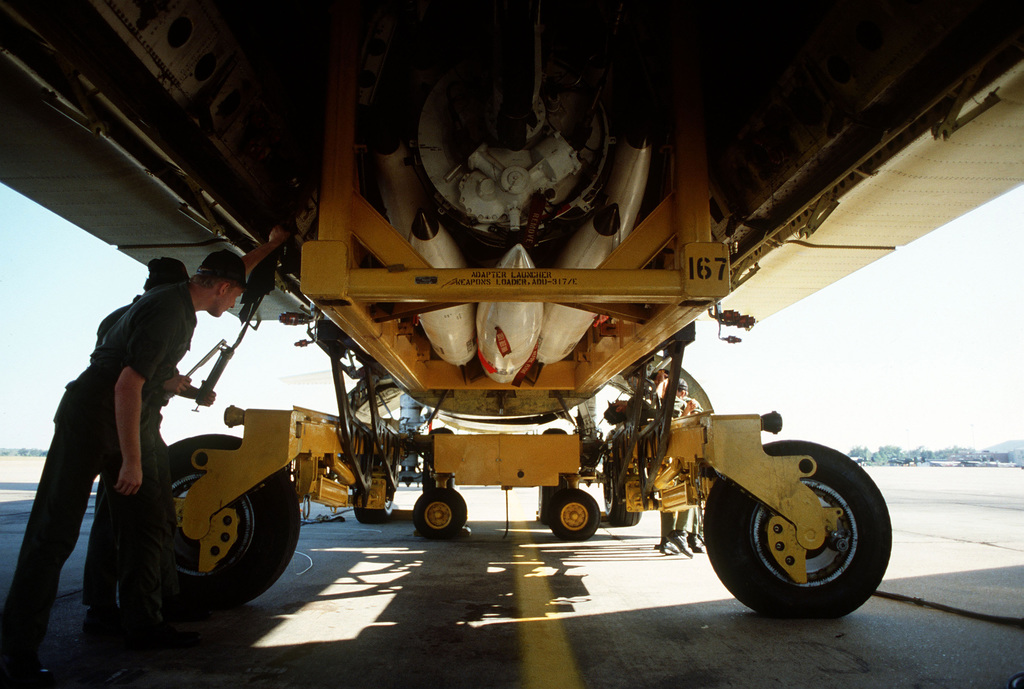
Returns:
(997,619)
(320,519)
(297,552)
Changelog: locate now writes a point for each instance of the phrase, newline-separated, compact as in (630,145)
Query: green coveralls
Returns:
(99,581)
(151,338)
(687,520)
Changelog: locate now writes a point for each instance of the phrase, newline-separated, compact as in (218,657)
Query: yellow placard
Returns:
(706,269)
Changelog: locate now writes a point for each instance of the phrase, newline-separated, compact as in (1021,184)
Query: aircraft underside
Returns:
(499,208)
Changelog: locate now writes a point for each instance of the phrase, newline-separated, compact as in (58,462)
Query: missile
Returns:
(628,180)
(593,241)
(563,326)
(507,332)
(400,188)
(591,245)
(450,330)
(434,243)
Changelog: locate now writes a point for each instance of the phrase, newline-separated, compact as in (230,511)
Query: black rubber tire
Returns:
(544,495)
(268,532)
(439,513)
(365,515)
(573,515)
(615,507)
(618,515)
(429,482)
(735,533)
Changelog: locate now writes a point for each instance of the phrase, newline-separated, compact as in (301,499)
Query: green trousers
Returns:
(685,520)
(85,445)
(99,583)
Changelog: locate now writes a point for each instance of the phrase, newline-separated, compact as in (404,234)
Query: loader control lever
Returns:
(218,367)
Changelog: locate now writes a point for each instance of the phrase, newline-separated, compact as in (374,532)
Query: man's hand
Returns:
(192,392)
(208,399)
(278,236)
(127,413)
(129,478)
(177,384)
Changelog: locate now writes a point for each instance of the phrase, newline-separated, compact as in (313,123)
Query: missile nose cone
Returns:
(384,141)
(424,227)
(638,131)
(607,221)
(516,257)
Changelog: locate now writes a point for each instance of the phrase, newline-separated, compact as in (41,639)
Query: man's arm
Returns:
(128,415)
(278,236)
(181,385)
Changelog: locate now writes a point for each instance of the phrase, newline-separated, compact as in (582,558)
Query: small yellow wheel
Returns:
(575,515)
(439,513)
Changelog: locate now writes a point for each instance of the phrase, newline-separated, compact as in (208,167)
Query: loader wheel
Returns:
(429,482)
(268,530)
(439,513)
(615,506)
(544,495)
(841,574)
(573,515)
(365,515)
(617,513)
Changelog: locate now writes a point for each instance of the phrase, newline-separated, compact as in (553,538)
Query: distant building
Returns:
(979,459)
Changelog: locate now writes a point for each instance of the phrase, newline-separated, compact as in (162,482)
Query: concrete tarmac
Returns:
(376,606)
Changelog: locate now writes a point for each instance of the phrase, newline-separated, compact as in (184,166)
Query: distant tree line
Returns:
(893,454)
(21,452)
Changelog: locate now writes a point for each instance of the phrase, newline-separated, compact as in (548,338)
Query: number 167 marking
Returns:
(706,267)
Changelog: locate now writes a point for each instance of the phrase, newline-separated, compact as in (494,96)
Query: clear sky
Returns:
(921,348)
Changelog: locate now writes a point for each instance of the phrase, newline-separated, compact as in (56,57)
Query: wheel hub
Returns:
(438,515)
(822,564)
(193,557)
(574,516)
(839,540)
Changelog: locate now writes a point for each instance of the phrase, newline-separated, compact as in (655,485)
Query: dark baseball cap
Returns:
(165,271)
(224,264)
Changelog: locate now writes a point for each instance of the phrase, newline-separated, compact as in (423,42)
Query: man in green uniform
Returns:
(99,590)
(99,585)
(98,430)
(674,525)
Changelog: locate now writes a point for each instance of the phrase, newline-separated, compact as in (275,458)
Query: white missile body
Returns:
(626,185)
(507,332)
(593,242)
(400,189)
(451,330)
(563,326)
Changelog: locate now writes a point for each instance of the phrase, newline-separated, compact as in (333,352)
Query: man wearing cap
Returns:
(97,429)
(674,525)
(683,404)
(99,584)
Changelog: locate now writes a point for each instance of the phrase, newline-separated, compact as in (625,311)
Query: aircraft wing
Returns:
(926,184)
(822,135)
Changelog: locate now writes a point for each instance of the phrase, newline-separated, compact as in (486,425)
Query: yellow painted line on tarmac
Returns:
(546,657)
